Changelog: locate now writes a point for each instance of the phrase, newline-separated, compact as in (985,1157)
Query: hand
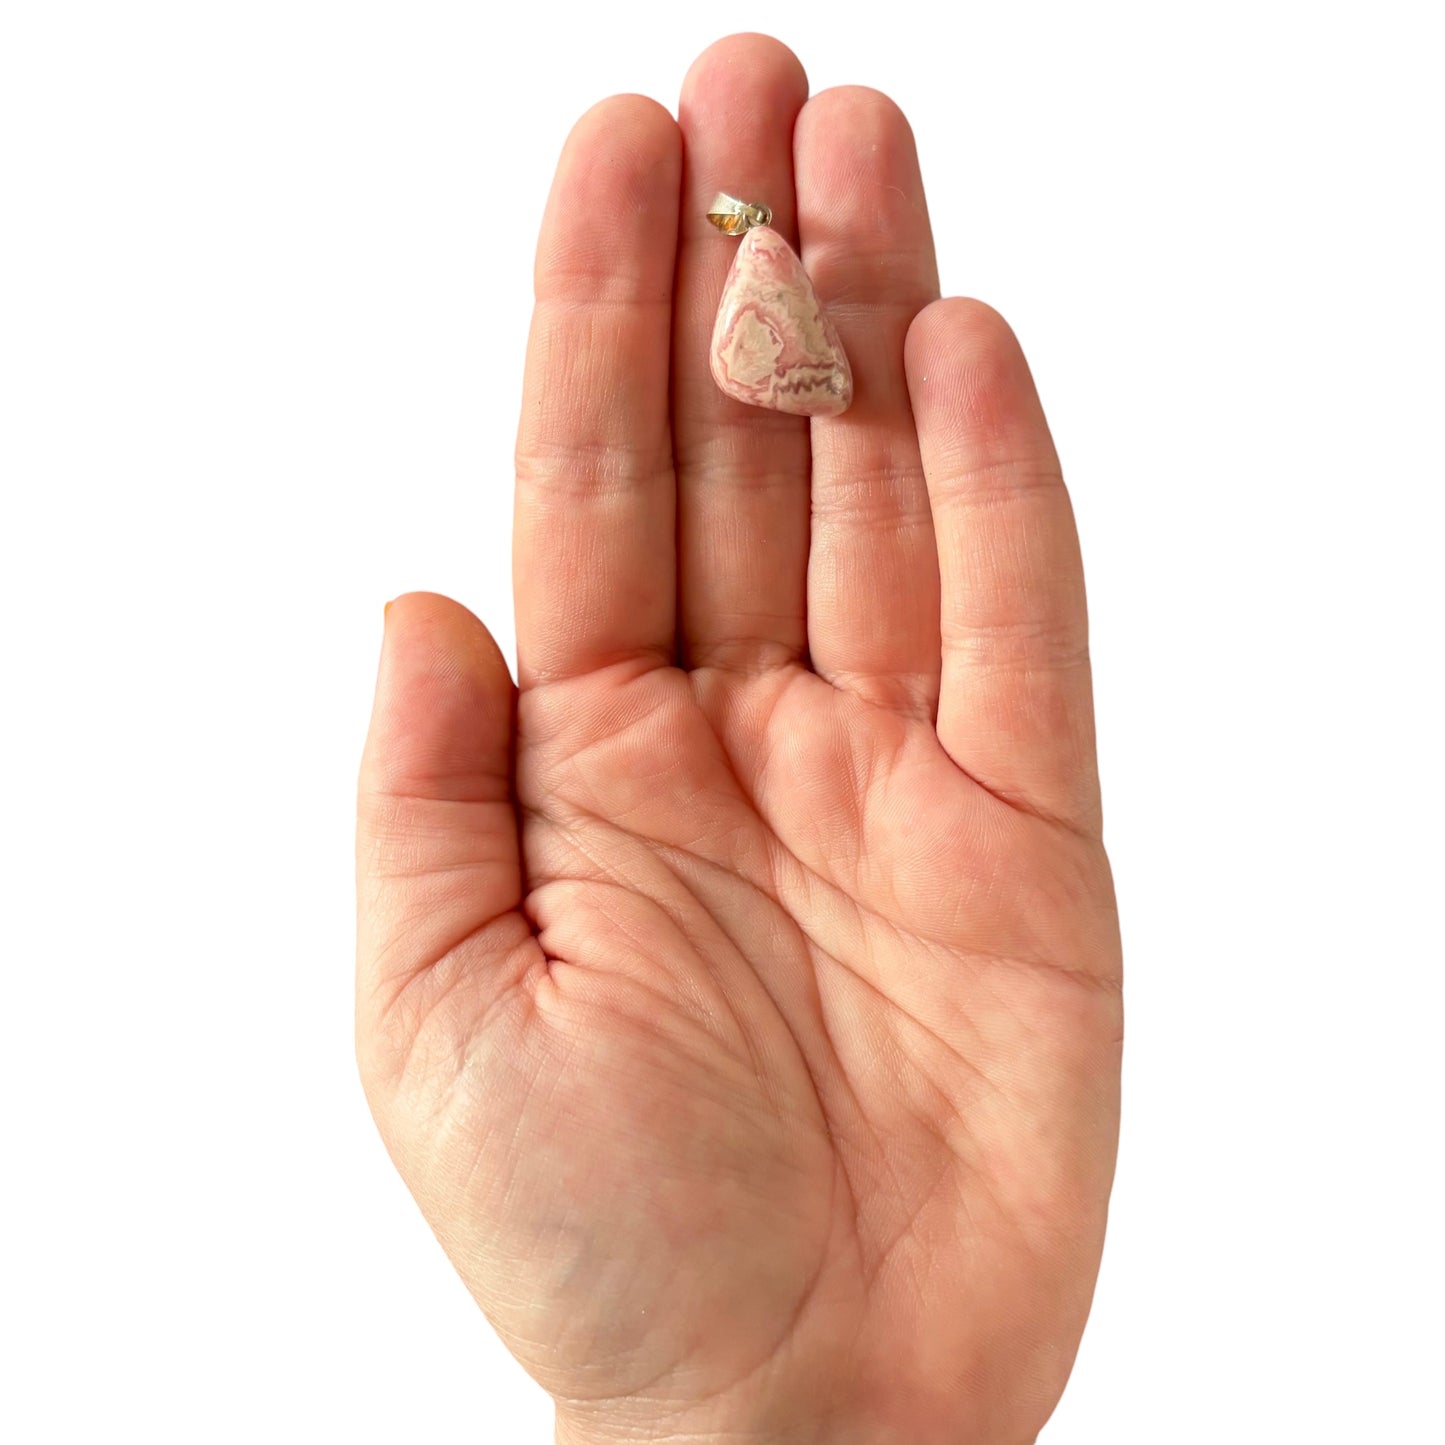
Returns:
(740,998)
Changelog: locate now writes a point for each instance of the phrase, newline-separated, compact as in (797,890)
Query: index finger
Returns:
(593,550)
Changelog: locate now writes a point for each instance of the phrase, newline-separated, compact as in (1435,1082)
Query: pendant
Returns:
(773,344)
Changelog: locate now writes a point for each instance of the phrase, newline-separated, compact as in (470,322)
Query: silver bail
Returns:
(733,217)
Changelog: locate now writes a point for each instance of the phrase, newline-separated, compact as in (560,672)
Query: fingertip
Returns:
(443,699)
(866,115)
(970,383)
(740,62)
(958,329)
(634,125)
(609,232)
(427,633)
(856,147)
(428,624)
(862,211)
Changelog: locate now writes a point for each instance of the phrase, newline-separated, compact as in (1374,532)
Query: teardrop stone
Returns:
(773,344)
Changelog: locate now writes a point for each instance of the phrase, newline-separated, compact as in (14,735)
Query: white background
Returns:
(264,282)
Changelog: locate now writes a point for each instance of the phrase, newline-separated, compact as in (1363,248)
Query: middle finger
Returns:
(742,472)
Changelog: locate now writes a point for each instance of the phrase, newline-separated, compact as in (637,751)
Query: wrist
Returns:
(620,1423)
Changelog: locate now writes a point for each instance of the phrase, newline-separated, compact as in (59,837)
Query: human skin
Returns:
(739,995)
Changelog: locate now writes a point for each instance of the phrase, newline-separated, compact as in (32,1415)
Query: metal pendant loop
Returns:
(734,217)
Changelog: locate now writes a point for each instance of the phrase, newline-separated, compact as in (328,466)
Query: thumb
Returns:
(437,863)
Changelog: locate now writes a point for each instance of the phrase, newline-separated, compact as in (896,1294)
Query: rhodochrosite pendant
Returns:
(773,344)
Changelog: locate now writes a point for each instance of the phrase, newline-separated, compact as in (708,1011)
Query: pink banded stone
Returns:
(773,344)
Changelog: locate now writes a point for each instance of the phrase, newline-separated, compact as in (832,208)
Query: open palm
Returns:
(740,998)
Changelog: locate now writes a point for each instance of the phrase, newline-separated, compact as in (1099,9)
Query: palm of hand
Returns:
(754,1061)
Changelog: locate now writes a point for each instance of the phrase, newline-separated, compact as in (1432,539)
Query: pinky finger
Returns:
(1015,708)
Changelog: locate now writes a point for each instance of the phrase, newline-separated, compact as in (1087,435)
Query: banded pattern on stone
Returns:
(773,344)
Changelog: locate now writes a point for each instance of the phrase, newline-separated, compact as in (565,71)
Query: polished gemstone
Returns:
(773,344)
